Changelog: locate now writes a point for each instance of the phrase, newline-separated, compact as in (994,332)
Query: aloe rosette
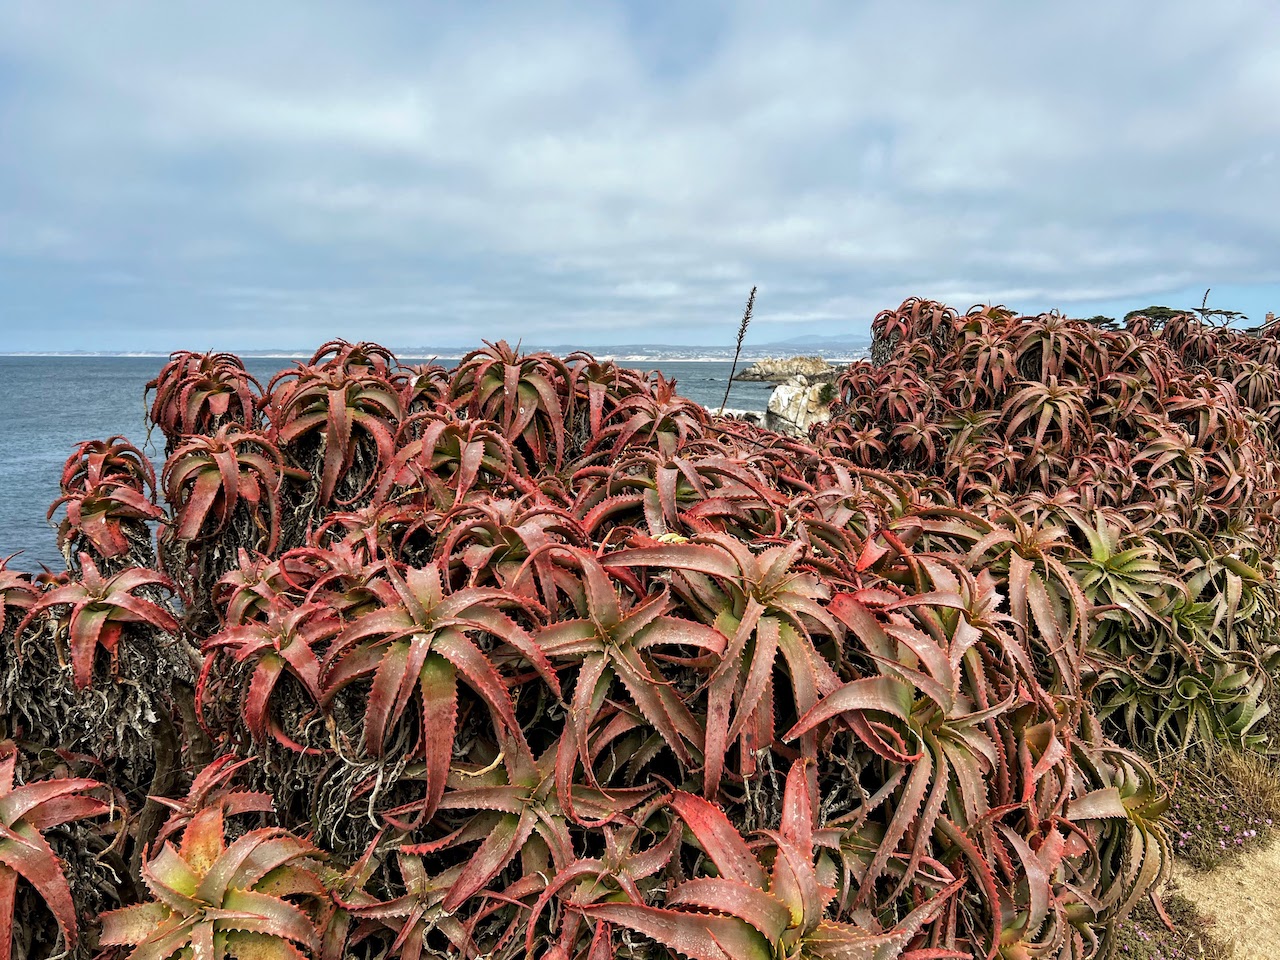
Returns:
(423,640)
(524,395)
(346,410)
(103,516)
(95,611)
(284,643)
(215,899)
(26,812)
(769,610)
(199,392)
(208,479)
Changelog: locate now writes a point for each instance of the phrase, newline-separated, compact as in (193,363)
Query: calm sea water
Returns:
(49,404)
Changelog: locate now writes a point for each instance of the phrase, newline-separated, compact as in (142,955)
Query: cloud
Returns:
(273,175)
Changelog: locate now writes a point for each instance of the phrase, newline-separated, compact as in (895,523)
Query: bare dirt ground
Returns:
(1241,898)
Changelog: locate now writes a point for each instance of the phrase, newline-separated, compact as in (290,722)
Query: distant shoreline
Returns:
(449,355)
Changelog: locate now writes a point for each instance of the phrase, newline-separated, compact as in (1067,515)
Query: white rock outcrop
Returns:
(779,370)
(797,404)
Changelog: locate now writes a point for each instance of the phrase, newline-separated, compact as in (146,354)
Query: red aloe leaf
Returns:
(133,924)
(28,854)
(845,941)
(439,687)
(719,839)
(270,849)
(192,514)
(762,910)
(797,809)
(257,946)
(8,896)
(881,694)
(759,672)
(31,801)
(87,628)
(677,630)
(698,936)
(131,609)
(64,809)
(497,850)
(569,638)
(720,690)
(392,687)
(1037,879)
(171,880)
(846,608)
(701,558)
(257,703)
(501,798)
(202,842)
(279,917)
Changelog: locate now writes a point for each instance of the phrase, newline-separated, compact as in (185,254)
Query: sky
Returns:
(248,175)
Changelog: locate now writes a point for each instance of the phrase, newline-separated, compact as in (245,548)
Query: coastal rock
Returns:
(779,370)
(799,403)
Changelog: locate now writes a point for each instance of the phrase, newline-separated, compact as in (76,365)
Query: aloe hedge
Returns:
(535,658)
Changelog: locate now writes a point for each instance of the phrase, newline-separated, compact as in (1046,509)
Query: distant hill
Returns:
(840,347)
(843,347)
(815,340)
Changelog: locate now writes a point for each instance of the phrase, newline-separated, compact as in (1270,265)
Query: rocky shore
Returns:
(794,406)
(798,403)
(803,395)
(780,370)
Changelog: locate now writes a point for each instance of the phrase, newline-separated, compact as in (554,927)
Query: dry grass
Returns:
(1221,805)
(1255,778)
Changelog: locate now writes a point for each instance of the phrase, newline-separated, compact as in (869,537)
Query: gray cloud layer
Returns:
(252,175)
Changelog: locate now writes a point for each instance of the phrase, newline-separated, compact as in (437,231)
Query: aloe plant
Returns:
(199,393)
(768,610)
(207,479)
(27,811)
(95,611)
(525,395)
(422,641)
(283,644)
(216,899)
(345,411)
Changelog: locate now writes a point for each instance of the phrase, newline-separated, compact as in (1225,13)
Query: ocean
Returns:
(49,404)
